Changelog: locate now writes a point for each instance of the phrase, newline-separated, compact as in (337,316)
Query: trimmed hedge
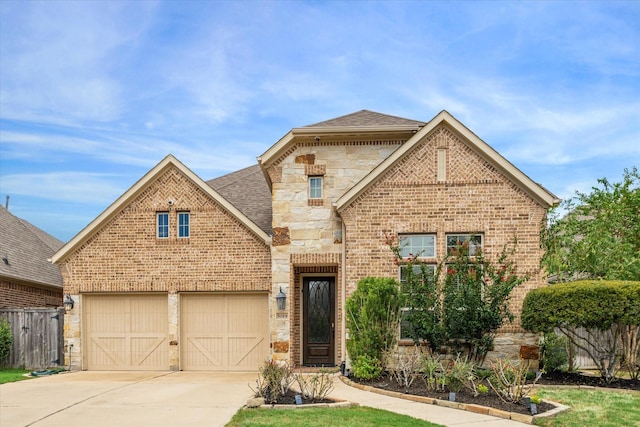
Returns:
(593,304)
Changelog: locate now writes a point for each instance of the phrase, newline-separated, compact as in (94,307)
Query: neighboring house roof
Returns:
(536,191)
(140,186)
(25,250)
(247,190)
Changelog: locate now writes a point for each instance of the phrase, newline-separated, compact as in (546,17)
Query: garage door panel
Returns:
(126,332)
(224,331)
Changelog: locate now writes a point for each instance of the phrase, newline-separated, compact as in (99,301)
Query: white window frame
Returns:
(182,226)
(315,191)
(466,237)
(414,245)
(165,227)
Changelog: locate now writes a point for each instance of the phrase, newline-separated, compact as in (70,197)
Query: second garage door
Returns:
(224,332)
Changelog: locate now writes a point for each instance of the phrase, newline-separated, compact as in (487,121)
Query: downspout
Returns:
(343,291)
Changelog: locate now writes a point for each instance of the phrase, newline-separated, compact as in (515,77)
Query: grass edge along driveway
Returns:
(12,375)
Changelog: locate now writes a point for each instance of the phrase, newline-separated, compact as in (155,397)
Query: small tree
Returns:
(6,341)
(476,298)
(464,303)
(600,235)
(373,316)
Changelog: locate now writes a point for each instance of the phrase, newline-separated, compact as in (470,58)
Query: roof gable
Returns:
(534,190)
(138,188)
(27,249)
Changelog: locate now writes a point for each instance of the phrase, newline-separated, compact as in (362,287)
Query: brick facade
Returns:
(221,255)
(475,198)
(14,294)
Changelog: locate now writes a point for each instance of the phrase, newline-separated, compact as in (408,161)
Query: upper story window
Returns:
(184,225)
(162,225)
(420,245)
(473,240)
(315,187)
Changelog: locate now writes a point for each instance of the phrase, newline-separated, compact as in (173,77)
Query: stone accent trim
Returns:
(281,236)
(306,159)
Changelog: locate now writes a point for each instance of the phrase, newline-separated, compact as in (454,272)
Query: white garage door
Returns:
(224,332)
(126,332)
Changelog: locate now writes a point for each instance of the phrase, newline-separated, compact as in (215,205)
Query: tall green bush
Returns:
(609,312)
(6,341)
(373,316)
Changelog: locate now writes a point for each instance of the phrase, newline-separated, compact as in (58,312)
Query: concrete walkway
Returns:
(435,414)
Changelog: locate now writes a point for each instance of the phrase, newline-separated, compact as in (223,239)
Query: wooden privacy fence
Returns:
(38,337)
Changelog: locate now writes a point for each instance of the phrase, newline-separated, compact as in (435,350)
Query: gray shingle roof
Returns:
(247,190)
(27,248)
(367,118)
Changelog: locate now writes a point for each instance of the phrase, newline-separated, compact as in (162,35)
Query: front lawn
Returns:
(12,375)
(356,416)
(602,408)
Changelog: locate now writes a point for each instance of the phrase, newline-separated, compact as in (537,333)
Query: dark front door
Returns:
(318,321)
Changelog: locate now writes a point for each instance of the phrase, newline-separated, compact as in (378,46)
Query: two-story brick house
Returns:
(179,273)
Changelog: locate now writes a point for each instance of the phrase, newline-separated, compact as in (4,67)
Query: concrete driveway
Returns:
(139,399)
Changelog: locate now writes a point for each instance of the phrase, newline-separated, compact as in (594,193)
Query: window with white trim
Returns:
(420,245)
(184,225)
(162,225)
(315,187)
(475,242)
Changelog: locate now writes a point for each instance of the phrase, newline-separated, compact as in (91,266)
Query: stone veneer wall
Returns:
(475,198)
(221,254)
(306,232)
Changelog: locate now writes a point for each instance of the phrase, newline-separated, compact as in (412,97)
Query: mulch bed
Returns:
(492,400)
(290,399)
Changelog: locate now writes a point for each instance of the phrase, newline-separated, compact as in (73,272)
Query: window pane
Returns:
(430,269)
(406,328)
(455,240)
(315,187)
(421,245)
(183,224)
(163,225)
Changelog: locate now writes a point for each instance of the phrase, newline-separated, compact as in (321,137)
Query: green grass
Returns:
(356,416)
(12,375)
(592,408)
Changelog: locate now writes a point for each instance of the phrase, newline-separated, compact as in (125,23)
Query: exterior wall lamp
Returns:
(68,303)
(281,300)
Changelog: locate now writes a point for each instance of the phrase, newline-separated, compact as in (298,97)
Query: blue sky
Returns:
(93,94)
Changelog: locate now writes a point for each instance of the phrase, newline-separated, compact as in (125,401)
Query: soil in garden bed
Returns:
(577,378)
(489,399)
(290,399)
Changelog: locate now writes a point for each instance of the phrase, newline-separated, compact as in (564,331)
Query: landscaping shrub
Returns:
(609,312)
(404,365)
(553,353)
(274,381)
(366,367)
(6,341)
(314,387)
(373,316)
(509,379)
